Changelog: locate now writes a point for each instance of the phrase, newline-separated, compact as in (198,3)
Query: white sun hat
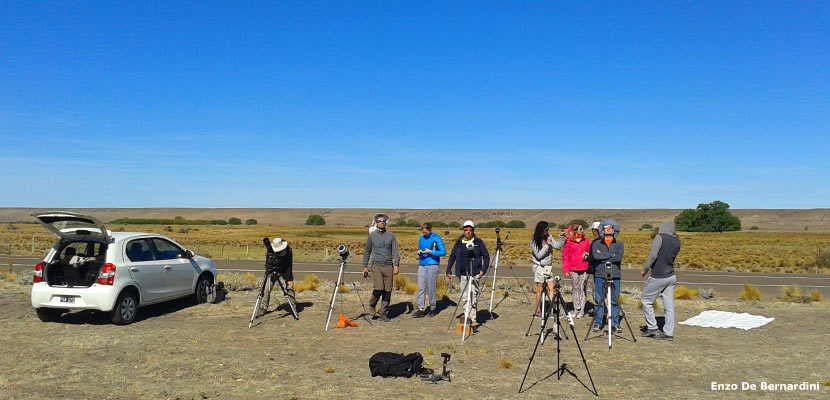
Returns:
(469,223)
(278,245)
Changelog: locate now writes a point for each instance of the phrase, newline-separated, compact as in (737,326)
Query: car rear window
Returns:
(139,250)
(84,249)
(166,250)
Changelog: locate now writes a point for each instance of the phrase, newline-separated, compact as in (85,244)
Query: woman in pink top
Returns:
(574,264)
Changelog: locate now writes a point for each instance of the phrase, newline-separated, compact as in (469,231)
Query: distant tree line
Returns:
(180,221)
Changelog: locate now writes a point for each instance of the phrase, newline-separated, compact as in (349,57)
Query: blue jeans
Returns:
(599,305)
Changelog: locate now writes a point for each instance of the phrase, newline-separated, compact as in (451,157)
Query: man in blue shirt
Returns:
(430,249)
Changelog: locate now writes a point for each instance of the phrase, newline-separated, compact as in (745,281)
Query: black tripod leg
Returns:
(518,281)
(622,314)
(365,313)
(538,305)
(536,347)
(584,361)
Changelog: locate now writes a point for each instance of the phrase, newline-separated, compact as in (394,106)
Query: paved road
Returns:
(722,282)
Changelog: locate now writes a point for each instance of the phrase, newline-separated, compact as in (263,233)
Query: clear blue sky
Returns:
(394,104)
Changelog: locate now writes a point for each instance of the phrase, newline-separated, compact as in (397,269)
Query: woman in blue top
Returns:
(430,249)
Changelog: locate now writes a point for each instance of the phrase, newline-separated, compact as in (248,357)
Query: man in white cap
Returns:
(469,250)
(285,269)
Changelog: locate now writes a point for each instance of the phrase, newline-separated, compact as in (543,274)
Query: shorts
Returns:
(539,273)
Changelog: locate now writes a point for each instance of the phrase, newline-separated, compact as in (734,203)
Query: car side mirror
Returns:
(189,254)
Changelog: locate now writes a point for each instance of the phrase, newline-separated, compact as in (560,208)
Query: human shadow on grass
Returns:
(396,310)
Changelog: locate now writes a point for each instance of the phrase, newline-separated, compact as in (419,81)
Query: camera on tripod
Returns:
(270,256)
(608,265)
(344,253)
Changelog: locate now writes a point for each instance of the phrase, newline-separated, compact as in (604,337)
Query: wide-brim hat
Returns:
(278,245)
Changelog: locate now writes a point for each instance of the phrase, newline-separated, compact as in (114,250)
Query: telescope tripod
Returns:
(558,304)
(270,276)
(607,296)
(337,289)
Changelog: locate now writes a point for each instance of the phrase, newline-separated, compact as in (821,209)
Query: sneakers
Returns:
(538,314)
(616,329)
(662,336)
(596,328)
(418,314)
(383,317)
(649,332)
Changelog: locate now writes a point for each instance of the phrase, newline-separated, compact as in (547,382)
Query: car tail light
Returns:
(107,275)
(38,276)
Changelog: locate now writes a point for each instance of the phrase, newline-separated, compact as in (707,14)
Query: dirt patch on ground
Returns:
(207,351)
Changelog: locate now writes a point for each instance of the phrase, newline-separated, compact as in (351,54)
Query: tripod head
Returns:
(344,253)
(556,284)
(444,373)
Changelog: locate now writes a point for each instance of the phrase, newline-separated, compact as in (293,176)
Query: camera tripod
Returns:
(468,288)
(607,296)
(270,276)
(435,378)
(344,254)
(499,251)
(554,308)
(558,304)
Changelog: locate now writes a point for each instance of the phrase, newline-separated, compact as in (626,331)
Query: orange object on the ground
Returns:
(344,322)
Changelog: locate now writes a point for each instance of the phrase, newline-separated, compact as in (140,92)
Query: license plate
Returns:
(67,299)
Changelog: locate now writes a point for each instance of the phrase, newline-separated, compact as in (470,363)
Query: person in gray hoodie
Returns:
(660,262)
(541,250)
(382,247)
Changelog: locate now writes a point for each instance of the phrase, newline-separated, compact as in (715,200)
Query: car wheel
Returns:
(126,308)
(48,314)
(200,295)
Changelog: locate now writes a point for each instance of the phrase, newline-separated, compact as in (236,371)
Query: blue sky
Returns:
(394,104)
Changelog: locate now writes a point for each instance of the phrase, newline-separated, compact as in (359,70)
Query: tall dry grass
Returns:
(750,293)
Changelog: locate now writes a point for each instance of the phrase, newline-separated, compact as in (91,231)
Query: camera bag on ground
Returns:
(216,293)
(394,364)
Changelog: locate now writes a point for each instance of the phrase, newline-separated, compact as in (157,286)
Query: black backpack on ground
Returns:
(394,364)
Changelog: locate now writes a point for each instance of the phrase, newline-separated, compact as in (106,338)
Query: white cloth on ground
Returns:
(726,319)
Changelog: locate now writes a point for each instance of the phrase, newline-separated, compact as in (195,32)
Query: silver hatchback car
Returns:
(91,268)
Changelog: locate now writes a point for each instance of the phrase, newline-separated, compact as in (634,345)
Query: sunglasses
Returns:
(380,222)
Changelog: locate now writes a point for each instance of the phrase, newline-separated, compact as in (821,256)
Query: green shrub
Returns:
(218,222)
(250,222)
(753,228)
(515,224)
(646,227)
(712,217)
(315,220)
(234,221)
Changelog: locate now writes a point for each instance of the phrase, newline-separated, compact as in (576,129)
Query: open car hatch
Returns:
(65,224)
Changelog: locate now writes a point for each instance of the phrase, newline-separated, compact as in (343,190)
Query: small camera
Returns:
(344,253)
(470,246)
(557,278)
(608,265)
(498,230)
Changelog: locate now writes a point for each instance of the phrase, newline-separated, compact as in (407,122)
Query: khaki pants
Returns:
(382,277)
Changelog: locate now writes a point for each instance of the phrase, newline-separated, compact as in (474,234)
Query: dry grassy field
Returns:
(179,351)
(748,251)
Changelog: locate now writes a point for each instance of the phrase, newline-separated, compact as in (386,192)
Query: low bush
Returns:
(315,220)
(506,364)
(815,295)
(238,282)
(793,294)
(682,292)
(441,291)
(310,282)
(750,293)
